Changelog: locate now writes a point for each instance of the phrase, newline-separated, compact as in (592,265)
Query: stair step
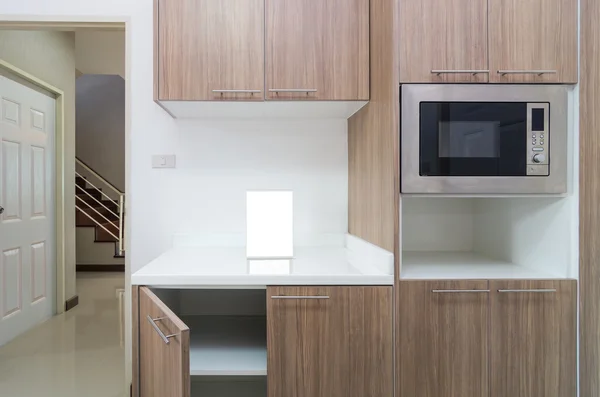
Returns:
(82,220)
(79,181)
(92,192)
(103,236)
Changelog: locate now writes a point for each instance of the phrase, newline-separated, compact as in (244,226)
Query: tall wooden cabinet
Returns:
(497,338)
(209,49)
(443,41)
(317,49)
(329,341)
(533,41)
(476,41)
(443,339)
(533,338)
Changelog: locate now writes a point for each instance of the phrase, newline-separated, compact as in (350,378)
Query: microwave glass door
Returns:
(476,138)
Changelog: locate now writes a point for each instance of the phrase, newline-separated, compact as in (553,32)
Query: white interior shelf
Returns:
(463,265)
(227,345)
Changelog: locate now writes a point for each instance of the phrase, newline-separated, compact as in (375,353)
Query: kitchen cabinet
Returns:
(209,50)
(443,41)
(533,338)
(442,343)
(317,49)
(533,41)
(497,338)
(329,341)
(292,341)
(496,41)
(164,356)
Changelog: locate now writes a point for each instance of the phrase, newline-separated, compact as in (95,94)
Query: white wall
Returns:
(100,126)
(50,56)
(100,52)
(218,161)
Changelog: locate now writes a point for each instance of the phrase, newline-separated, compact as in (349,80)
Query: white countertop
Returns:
(358,263)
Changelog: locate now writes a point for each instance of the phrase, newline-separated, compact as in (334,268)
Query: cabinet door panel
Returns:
(206,45)
(339,346)
(442,346)
(320,45)
(164,368)
(533,35)
(443,35)
(533,338)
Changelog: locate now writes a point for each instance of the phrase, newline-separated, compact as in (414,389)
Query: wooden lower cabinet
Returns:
(442,339)
(533,338)
(164,364)
(329,341)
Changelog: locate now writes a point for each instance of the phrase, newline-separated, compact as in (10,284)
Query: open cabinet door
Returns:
(164,349)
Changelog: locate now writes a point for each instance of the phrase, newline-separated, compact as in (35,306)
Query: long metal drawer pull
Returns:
(473,72)
(300,297)
(538,72)
(237,91)
(307,90)
(457,291)
(164,337)
(528,290)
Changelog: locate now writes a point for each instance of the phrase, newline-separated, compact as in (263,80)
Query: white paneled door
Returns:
(27,225)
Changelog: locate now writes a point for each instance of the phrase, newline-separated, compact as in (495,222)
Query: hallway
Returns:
(75,354)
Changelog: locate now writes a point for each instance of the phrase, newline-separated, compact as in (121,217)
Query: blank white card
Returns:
(269,224)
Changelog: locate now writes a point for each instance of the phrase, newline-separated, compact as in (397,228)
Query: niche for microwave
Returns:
(473,139)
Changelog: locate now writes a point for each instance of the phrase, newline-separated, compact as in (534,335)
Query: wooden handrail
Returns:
(90,169)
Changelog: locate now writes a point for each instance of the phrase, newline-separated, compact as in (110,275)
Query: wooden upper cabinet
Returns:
(329,341)
(205,46)
(448,36)
(442,339)
(317,49)
(535,41)
(164,350)
(533,338)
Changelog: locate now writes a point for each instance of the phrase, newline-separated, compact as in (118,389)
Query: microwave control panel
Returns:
(538,139)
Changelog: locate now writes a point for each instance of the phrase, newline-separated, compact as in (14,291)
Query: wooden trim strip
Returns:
(100,268)
(589,191)
(71,303)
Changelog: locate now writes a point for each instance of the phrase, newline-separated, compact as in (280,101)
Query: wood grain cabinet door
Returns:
(317,49)
(329,341)
(443,41)
(164,350)
(210,49)
(533,338)
(442,345)
(533,41)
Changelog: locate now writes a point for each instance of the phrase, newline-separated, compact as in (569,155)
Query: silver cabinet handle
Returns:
(307,90)
(457,291)
(459,71)
(538,72)
(300,297)
(528,290)
(152,322)
(237,91)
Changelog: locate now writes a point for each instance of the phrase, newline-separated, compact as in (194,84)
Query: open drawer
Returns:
(194,341)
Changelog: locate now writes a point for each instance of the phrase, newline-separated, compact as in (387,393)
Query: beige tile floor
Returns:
(76,354)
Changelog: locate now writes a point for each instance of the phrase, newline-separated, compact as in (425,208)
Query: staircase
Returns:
(96,209)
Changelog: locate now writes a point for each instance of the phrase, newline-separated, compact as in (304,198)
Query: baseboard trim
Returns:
(100,268)
(71,303)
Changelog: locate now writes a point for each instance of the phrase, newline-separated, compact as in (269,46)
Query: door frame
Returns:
(59,172)
(71,23)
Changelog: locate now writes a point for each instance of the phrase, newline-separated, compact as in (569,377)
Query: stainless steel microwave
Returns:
(483,139)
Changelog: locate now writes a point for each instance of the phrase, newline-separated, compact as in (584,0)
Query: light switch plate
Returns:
(163,161)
